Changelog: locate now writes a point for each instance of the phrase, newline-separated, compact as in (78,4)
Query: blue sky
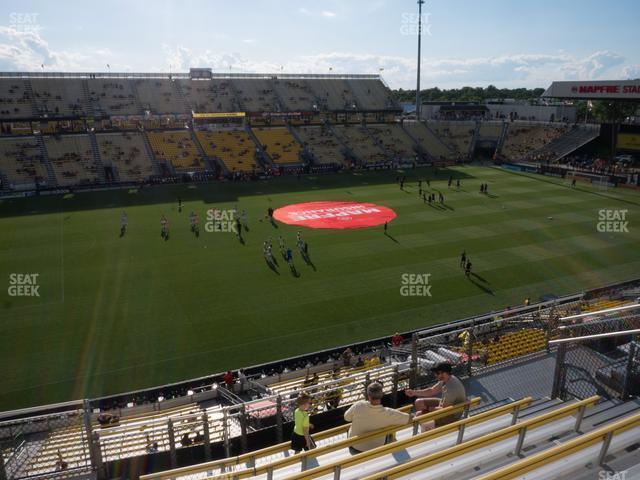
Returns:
(508,43)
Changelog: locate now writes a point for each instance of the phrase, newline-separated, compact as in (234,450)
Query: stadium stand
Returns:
(373,95)
(126,153)
(359,141)
(204,96)
(334,94)
(22,162)
(114,96)
(176,147)
(490,130)
(159,96)
(15,99)
(394,140)
(429,141)
(234,148)
(57,97)
(522,139)
(279,144)
(515,344)
(322,144)
(565,144)
(457,135)
(295,94)
(72,159)
(256,95)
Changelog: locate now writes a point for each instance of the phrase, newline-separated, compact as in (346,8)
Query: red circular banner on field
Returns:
(334,214)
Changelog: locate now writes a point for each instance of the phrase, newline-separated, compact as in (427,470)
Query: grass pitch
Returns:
(116,314)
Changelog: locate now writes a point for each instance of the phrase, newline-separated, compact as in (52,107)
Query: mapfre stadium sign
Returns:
(593,90)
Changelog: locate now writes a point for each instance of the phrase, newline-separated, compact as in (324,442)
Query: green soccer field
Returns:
(115,314)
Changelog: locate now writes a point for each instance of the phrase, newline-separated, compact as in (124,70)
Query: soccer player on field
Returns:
(281,243)
(192,220)
(124,221)
(164,225)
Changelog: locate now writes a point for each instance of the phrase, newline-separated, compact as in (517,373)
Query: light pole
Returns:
(420,2)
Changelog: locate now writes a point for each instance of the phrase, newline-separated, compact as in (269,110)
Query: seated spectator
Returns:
(369,415)
(360,362)
(372,362)
(397,340)
(185,441)
(106,419)
(453,393)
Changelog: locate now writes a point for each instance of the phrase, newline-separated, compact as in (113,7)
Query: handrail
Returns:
(459,426)
(250,457)
(452,452)
(246,457)
(560,451)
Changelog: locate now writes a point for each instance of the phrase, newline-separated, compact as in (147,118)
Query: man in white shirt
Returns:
(369,416)
(453,393)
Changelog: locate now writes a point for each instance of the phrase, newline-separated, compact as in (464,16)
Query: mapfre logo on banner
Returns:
(334,214)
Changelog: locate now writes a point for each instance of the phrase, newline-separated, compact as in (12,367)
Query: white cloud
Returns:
(328,14)
(28,51)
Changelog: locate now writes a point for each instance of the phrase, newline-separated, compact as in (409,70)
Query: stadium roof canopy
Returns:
(595,90)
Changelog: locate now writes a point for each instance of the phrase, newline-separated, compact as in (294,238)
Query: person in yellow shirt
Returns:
(300,438)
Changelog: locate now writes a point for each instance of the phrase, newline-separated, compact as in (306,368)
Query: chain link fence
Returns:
(47,446)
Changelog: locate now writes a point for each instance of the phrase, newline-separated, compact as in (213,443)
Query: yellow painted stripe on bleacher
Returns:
(564,450)
(284,462)
(245,457)
(401,445)
(470,445)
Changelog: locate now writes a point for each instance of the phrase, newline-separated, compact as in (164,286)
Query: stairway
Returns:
(265,159)
(474,140)
(154,161)
(181,96)
(379,144)
(306,152)
(347,151)
(94,100)
(97,158)
(501,139)
(136,97)
(51,176)
(28,88)
(569,142)
(87,99)
(210,163)
(420,150)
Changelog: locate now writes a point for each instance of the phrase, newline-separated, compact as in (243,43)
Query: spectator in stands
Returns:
(347,355)
(61,464)
(300,438)
(185,441)
(360,362)
(397,340)
(228,379)
(242,378)
(369,415)
(453,393)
